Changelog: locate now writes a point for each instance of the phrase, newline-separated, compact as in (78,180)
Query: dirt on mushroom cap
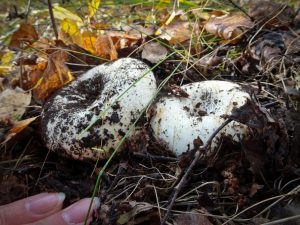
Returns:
(109,96)
(180,121)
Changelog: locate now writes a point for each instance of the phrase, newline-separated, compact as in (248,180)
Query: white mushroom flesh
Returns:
(179,121)
(117,92)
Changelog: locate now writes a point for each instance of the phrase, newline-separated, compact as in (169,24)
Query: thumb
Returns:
(31,209)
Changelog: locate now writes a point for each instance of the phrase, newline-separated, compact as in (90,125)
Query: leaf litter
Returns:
(256,181)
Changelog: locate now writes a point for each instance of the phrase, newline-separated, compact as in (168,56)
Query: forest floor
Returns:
(254,44)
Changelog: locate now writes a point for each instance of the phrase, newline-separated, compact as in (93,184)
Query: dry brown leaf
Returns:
(154,52)
(18,127)
(271,13)
(107,44)
(31,76)
(21,125)
(178,31)
(54,77)
(13,103)
(292,44)
(139,31)
(26,33)
(105,47)
(230,26)
(122,39)
(193,218)
(254,189)
(136,208)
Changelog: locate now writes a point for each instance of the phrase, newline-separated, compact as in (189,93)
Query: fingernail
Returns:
(43,203)
(76,213)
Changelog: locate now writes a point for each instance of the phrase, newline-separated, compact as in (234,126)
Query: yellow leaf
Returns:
(88,41)
(68,26)
(5,62)
(93,6)
(62,13)
(4,69)
(162,4)
(7,58)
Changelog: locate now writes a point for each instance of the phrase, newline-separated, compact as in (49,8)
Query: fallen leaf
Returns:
(178,31)
(13,103)
(139,31)
(6,61)
(55,76)
(254,189)
(154,52)
(4,69)
(193,218)
(7,57)
(62,13)
(25,33)
(292,43)
(69,26)
(21,125)
(93,6)
(210,60)
(87,41)
(32,75)
(122,39)
(271,13)
(251,114)
(230,26)
(105,47)
(71,34)
(137,207)
(17,128)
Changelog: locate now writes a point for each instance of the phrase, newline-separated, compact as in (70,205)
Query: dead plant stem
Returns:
(199,153)
(50,8)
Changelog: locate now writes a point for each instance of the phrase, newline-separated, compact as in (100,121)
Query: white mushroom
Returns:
(117,92)
(181,120)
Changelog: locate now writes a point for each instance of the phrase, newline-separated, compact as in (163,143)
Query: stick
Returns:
(240,8)
(52,19)
(197,156)
(154,157)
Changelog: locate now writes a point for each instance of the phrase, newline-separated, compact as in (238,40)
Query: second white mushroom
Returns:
(179,121)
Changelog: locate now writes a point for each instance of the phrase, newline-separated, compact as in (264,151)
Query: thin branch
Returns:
(197,156)
(28,10)
(240,8)
(52,19)
(154,157)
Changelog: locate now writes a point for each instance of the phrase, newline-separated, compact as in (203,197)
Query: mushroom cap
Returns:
(179,121)
(110,96)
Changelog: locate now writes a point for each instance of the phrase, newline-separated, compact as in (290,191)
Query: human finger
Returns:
(31,209)
(75,214)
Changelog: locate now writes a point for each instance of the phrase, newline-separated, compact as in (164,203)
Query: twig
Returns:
(52,19)
(28,10)
(284,220)
(240,8)
(197,156)
(154,157)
